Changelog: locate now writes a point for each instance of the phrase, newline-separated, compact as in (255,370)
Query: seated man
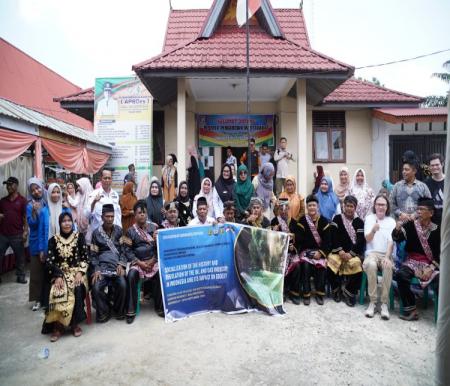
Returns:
(312,238)
(422,247)
(257,218)
(109,264)
(348,244)
(140,249)
(229,212)
(202,217)
(171,213)
(378,228)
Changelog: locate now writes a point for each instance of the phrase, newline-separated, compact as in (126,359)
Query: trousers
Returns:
(371,265)
(16,243)
(113,301)
(153,285)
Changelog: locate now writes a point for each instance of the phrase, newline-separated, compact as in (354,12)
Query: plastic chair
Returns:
(363,290)
(138,305)
(87,301)
(415,281)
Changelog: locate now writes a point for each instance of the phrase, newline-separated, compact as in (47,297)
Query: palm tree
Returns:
(439,100)
(444,76)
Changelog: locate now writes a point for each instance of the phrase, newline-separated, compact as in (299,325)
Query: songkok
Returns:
(427,202)
(351,200)
(107,208)
(311,198)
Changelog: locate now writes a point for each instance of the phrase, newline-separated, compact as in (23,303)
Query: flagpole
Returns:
(247,29)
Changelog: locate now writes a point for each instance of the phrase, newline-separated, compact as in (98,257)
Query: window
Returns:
(158,138)
(328,136)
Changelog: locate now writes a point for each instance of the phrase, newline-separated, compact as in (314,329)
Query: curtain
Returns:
(22,169)
(13,144)
(96,160)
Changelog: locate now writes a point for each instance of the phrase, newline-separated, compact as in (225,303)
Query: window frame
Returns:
(329,130)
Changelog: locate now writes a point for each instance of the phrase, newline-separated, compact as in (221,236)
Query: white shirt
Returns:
(107,107)
(264,159)
(281,159)
(382,237)
(196,221)
(96,215)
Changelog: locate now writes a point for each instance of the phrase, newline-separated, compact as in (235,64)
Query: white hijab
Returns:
(54,209)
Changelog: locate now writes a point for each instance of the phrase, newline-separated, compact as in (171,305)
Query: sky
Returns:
(85,39)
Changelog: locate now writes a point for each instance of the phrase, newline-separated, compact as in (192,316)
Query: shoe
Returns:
(56,334)
(160,313)
(294,299)
(319,300)
(410,317)
(307,301)
(370,311)
(130,319)
(104,320)
(350,300)
(77,331)
(21,280)
(384,312)
(36,306)
(337,296)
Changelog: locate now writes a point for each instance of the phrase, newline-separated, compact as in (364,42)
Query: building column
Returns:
(301,138)
(181,129)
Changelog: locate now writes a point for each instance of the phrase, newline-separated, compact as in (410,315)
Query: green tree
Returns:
(439,100)
(374,80)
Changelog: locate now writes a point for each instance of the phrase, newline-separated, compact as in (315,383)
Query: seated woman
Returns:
(140,249)
(423,241)
(67,262)
(256,218)
(296,200)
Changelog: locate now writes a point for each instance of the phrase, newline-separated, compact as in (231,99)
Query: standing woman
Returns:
(37,218)
(263,185)
(55,208)
(193,172)
(83,212)
(127,202)
(67,262)
(223,191)
(154,203)
(328,201)
(184,204)
(363,193)
(342,189)
(206,191)
(169,178)
(243,192)
(296,200)
(72,199)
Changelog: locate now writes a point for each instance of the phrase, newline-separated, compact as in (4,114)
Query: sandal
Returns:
(56,334)
(77,331)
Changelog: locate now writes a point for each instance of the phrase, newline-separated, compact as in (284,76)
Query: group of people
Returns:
(83,238)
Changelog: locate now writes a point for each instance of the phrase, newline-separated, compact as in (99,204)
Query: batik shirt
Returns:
(404,198)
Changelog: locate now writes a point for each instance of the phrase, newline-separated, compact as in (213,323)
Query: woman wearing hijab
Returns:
(243,192)
(169,178)
(318,175)
(223,191)
(328,201)
(206,191)
(72,199)
(343,187)
(296,201)
(154,203)
(263,185)
(363,193)
(83,212)
(67,262)
(184,204)
(37,218)
(55,208)
(127,202)
(193,173)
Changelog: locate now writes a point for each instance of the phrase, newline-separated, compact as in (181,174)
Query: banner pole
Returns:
(247,30)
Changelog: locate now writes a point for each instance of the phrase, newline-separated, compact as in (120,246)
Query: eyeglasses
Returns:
(243,173)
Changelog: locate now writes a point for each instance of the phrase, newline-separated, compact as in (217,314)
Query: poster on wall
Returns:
(231,130)
(227,268)
(123,117)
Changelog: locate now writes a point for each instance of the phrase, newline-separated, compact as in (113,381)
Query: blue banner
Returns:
(230,268)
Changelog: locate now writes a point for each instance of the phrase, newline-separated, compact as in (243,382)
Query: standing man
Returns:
(264,154)
(406,192)
(101,196)
(436,185)
(256,162)
(281,157)
(131,175)
(231,159)
(13,226)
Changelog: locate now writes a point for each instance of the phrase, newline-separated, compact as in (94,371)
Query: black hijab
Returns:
(155,204)
(179,197)
(60,220)
(225,187)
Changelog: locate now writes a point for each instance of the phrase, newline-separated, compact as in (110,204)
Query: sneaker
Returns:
(370,312)
(384,312)
(36,306)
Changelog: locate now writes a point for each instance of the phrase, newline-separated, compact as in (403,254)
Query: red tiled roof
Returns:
(415,112)
(225,50)
(86,95)
(185,25)
(27,82)
(358,91)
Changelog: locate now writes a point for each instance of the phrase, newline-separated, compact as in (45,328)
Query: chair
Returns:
(416,281)
(87,301)
(138,305)
(363,290)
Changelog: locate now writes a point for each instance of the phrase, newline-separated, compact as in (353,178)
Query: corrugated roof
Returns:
(358,91)
(16,111)
(29,83)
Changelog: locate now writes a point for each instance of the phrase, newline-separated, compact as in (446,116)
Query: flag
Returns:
(253,6)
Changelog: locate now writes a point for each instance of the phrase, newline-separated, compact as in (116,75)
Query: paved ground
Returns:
(311,345)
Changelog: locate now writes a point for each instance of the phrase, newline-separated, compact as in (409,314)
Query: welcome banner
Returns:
(231,130)
(229,268)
